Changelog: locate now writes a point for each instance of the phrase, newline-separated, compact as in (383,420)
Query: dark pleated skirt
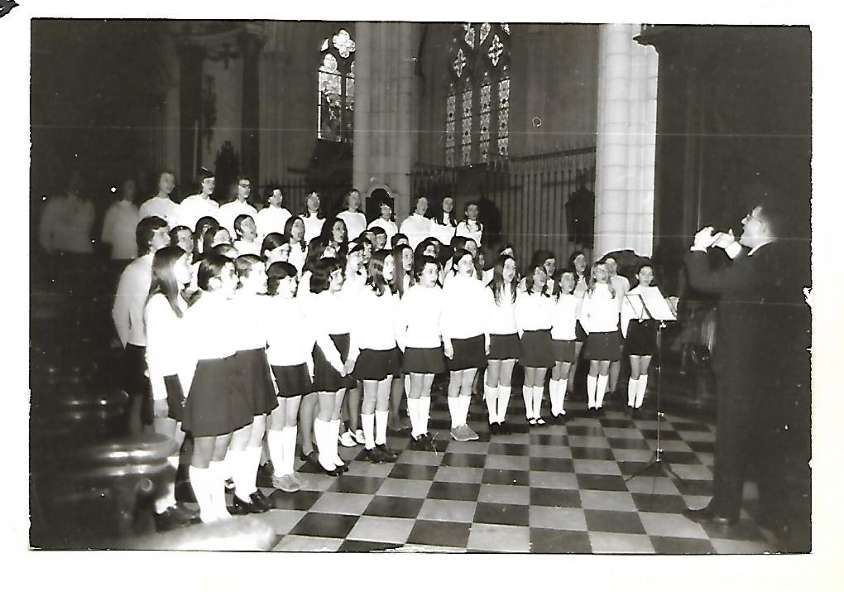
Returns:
(535,349)
(603,346)
(423,360)
(641,338)
(293,381)
(504,347)
(326,378)
(175,397)
(256,391)
(376,364)
(563,350)
(468,353)
(212,407)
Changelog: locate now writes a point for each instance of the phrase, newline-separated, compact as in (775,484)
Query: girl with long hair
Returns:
(578,265)
(533,319)
(640,331)
(353,217)
(444,225)
(334,233)
(312,216)
(566,309)
(165,357)
(294,235)
(502,350)
(373,353)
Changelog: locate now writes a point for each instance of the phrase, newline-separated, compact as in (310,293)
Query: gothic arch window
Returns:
(336,88)
(477,126)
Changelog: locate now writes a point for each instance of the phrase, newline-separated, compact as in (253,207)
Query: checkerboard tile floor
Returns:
(552,489)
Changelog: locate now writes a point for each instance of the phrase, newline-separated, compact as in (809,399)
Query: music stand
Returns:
(663,314)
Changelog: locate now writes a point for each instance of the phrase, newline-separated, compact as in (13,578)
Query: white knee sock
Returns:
(367,421)
(217,487)
(640,394)
(490,396)
(591,388)
(413,412)
(424,412)
(199,482)
(381,427)
(554,396)
(538,391)
(322,434)
(465,400)
(632,389)
(253,453)
(601,389)
(288,440)
(503,402)
(563,384)
(527,396)
(275,444)
(333,432)
(454,411)
(168,498)
(239,465)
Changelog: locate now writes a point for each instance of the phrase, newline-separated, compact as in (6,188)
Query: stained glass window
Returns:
(478,100)
(336,88)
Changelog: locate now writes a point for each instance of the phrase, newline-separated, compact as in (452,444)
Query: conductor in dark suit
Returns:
(762,368)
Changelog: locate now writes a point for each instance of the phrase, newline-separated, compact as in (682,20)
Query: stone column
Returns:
(250,48)
(271,77)
(168,152)
(626,142)
(385,107)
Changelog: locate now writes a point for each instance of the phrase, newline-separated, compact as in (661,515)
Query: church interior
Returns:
(611,138)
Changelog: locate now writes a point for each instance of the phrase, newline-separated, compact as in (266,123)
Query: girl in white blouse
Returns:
(403,279)
(257,391)
(599,316)
(290,343)
(470,226)
(294,235)
(165,356)
(373,353)
(533,319)
(355,220)
(463,328)
(312,216)
(564,320)
(210,412)
(503,348)
(578,265)
(355,280)
(420,340)
(385,221)
(444,225)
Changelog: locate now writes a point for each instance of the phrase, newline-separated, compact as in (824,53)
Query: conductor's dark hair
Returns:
(145,230)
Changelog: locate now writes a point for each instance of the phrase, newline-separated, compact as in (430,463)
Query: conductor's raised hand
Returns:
(724,239)
(704,238)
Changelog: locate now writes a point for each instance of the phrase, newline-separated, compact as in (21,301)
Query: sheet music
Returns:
(656,305)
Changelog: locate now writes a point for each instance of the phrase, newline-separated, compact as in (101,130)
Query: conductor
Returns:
(762,370)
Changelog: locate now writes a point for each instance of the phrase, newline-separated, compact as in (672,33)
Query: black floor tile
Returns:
(582,430)
(442,534)
(301,500)
(546,540)
(745,530)
(351,546)
(356,484)
(549,439)
(617,423)
(650,434)
(325,525)
(682,458)
(690,426)
(592,453)
(407,471)
(394,507)
(601,482)
(694,486)
(440,425)
(467,492)
(681,546)
(506,477)
(655,502)
(559,465)
(640,467)
(609,521)
(508,449)
(701,446)
(628,443)
(560,498)
(514,515)
(457,459)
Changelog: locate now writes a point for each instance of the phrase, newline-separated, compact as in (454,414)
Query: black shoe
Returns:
(185,513)
(168,520)
(504,428)
(240,507)
(312,458)
(635,413)
(418,443)
(708,515)
(386,454)
(559,419)
(430,442)
(342,468)
(229,484)
(599,412)
(330,472)
(494,429)
(260,500)
(373,455)
(266,470)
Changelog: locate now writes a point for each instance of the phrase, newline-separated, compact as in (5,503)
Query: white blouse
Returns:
(501,317)
(163,207)
(419,317)
(374,322)
(355,223)
(475,231)
(313,226)
(249,310)
(600,311)
(463,312)
(271,219)
(211,329)
(194,207)
(388,225)
(119,225)
(442,232)
(291,333)
(166,344)
(297,257)
(534,312)
(417,228)
(564,317)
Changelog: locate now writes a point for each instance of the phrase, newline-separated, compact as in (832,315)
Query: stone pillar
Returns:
(271,88)
(385,107)
(626,142)
(250,49)
(168,152)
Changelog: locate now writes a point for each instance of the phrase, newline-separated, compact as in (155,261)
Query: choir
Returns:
(300,330)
